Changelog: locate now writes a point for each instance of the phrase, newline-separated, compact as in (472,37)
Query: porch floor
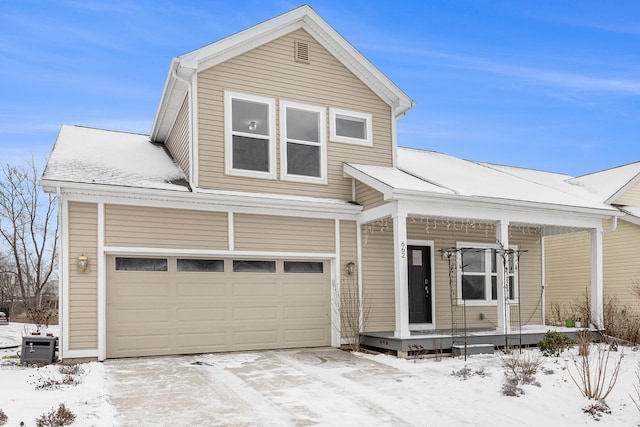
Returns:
(441,340)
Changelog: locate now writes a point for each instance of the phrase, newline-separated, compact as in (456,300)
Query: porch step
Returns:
(458,349)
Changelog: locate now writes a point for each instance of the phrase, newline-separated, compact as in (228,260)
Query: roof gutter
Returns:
(492,202)
(206,198)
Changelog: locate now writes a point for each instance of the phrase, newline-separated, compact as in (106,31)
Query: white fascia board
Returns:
(174,91)
(514,214)
(495,203)
(351,172)
(303,17)
(209,200)
(632,219)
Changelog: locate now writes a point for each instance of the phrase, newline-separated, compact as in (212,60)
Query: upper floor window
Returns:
(303,142)
(478,269)
(350,126)
(249,135)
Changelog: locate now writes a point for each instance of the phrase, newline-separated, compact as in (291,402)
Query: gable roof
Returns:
(432,173)
(184,67)
(94,156)
(608,185)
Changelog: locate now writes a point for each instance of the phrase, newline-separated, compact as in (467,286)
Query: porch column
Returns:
(504,316)
(597,312)
(401,281)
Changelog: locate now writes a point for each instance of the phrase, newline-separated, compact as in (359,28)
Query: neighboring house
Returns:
(567,256)
(271,183)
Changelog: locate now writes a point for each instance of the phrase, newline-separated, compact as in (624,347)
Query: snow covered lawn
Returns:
(309,387)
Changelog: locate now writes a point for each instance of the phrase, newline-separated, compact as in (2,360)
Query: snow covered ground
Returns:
(308,387)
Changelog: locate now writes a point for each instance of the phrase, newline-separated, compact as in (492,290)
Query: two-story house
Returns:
(271,180)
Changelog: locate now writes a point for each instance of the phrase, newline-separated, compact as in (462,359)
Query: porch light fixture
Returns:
(253,126)
(83,264)
(350,268)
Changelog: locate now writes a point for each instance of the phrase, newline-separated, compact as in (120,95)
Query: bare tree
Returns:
(28,229)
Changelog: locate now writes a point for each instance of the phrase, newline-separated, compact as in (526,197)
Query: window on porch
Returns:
(478,269)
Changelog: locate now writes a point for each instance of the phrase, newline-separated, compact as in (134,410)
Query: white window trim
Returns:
(322,126)
(228,136)
(487,301)
(368,141)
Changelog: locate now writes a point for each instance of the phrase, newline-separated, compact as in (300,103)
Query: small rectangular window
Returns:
(303,267)
(204,265)
(351,127)
(141,264)
(241,266)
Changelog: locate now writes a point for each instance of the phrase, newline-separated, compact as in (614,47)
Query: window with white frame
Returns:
(478,269)
(249,135)
(303,142)
(351,127)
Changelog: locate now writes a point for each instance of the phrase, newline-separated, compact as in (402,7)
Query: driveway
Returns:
(268,388)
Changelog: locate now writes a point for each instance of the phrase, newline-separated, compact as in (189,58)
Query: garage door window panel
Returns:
(309,267)
(141,264)
(244,266)
(201,265)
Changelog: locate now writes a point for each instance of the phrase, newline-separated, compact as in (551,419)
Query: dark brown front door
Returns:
(419,265)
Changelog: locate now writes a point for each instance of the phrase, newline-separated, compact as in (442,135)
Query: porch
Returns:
(443,341)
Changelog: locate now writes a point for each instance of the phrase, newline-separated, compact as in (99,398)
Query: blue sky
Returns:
(551,85)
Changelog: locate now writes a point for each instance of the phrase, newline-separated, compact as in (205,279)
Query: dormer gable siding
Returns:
(179,139)
(271,71)
(631,197)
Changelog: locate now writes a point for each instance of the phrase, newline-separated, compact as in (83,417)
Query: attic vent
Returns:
(301,51)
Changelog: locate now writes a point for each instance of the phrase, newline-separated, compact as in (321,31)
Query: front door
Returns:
(419,264)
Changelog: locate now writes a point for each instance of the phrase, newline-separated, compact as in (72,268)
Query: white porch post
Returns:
(597,312)
(400,270)
(504,317)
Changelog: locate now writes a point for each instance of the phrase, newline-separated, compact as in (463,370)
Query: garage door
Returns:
(173,305)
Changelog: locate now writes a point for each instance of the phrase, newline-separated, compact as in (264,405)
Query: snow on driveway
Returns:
(308,387)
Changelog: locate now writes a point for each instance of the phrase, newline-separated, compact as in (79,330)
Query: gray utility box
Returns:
(41,349)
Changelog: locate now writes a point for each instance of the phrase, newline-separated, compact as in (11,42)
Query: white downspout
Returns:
(193,184)
(614,225)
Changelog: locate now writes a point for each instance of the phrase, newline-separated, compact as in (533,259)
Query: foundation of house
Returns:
(474,341)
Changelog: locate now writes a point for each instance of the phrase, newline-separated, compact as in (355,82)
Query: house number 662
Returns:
(403,250)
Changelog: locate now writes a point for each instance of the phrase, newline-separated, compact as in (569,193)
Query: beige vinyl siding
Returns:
(378,275)
(348,253)
(270,70)
(137,226)
(567,271)
(631,197)
(83,287)
(445,236)
(178,139)
(368,197)
(282,233)
(621,266)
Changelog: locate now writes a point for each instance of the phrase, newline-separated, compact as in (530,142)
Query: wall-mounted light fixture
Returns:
(83,264)
(253,126)
(350,268)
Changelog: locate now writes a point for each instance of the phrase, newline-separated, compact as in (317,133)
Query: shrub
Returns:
(585,338)
(593,377)
(71,375)
(3,418)
(56,418)
(463,373)
(519,368)
(554,343)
